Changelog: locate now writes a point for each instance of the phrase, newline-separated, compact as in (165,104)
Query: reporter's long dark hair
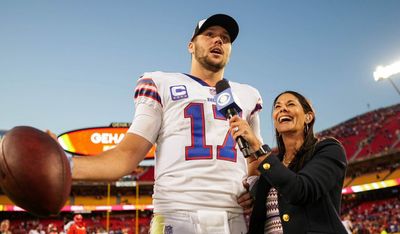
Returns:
(306,151)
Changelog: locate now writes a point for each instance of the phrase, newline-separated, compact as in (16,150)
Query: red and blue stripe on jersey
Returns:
(147,88)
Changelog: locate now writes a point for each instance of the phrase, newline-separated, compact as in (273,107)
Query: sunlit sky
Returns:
(66,65)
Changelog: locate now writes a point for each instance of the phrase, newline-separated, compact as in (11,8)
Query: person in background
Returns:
(5,226)
(298,189)
(37,228)
(347,223)
(78,227)
(52,229)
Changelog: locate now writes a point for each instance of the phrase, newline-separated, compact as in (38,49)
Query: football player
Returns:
(198,167)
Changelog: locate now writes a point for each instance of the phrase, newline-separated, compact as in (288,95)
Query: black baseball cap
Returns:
(225,21)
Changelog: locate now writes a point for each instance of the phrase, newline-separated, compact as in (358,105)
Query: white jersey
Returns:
(197,164)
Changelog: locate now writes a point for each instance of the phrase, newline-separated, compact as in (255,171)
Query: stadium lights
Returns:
(382,72)
(386,72)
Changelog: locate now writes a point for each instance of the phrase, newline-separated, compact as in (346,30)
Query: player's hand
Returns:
(52,134)
(245,200)
(69,157)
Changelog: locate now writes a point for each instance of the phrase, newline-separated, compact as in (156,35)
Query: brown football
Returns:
(34,171)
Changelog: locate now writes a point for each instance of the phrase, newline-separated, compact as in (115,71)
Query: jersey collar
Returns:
(200,81)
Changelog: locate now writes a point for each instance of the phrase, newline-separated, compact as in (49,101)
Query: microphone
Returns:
(226,105)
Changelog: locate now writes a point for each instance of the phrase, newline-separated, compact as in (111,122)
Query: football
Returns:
(34,171)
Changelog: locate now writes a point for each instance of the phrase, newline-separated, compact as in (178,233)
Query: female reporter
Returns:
(298,189)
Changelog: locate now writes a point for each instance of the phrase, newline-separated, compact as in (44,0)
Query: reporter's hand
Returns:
(240,127)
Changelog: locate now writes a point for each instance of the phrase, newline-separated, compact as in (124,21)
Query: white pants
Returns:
(198,222)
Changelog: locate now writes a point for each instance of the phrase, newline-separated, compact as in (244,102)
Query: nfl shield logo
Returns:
(213,91)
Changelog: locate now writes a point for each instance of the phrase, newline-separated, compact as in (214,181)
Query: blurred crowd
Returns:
(91,224)
(369,134)
(373,217)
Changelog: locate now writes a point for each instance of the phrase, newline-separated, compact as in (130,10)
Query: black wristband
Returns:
(263,150)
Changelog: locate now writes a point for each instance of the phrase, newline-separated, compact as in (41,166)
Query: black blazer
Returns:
(309,200)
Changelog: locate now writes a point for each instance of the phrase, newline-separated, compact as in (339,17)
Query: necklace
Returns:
(286,162)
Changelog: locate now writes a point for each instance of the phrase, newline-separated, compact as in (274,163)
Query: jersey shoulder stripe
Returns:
(251,94)
(258,106)
(148,89)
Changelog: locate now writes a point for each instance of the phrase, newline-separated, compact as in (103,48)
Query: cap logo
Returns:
(201,22)
(223,99)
